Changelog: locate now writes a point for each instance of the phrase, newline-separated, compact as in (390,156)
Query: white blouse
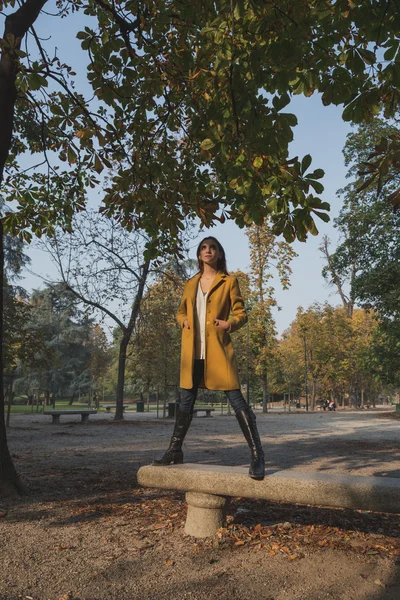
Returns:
(200,324)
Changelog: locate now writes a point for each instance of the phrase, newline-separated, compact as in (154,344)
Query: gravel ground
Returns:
(88,532)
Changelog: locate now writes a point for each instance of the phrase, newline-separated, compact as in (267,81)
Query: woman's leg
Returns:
(247,421)
(184,417)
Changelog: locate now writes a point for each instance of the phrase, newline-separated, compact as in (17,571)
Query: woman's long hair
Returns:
(221,264)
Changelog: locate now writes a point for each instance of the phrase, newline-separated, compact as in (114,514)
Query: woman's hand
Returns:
(222,324)
(186,324)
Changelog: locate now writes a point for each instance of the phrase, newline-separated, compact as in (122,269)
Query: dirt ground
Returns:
(87,531)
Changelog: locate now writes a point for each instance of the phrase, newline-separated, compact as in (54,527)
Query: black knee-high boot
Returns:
(247,422)
(174,453)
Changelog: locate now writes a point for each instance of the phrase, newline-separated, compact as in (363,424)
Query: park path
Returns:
(362,443)
(88,532)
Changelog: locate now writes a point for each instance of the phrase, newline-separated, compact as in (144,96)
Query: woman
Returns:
(212,308)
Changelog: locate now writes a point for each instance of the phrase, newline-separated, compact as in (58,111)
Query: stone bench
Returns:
(208,411)
(56,414)
(208,488)
(108,407)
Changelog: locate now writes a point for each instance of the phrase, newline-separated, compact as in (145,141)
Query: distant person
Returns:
(211,308)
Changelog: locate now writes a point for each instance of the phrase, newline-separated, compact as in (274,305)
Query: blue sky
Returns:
(320,132)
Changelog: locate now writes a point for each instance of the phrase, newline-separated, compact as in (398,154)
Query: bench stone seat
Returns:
(56,414)
(108,407)
(207,488)
(208,411)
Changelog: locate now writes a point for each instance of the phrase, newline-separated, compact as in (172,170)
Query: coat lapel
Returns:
(218,280)
(194,282)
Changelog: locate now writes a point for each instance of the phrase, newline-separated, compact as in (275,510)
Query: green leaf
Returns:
(323,216)
(392,50)
(257,162)
(98,165)
(280,102)
(305,163)
(36,81)
(207,144)
(72,157)
(318,187)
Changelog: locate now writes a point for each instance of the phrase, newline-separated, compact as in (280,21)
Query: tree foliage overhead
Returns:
(191,109)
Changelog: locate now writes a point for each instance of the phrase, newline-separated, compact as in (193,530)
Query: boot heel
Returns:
(171,457)
(174,454)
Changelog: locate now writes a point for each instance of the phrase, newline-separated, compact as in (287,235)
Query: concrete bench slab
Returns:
(108,407)
(208,411)
(207,488)
(56,414)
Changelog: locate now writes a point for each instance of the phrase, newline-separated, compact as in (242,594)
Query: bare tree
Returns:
(103,265)
(334,278)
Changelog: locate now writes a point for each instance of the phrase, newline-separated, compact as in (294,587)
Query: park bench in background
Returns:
(56,414)
(108,407)
(208,487)
(208,411)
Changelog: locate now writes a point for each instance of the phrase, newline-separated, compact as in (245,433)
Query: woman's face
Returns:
(209,253)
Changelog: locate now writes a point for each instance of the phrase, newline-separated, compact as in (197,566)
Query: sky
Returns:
(320,132)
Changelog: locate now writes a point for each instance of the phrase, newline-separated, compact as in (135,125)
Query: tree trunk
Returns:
(16,27)
(10,483)
(10,397)
(348,302)
(313,393)
(121,376)
(264,382)
(127,334)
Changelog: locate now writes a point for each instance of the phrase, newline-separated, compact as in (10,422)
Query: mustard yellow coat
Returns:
(224,302)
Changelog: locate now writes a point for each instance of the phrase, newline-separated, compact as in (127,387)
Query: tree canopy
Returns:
(190,108)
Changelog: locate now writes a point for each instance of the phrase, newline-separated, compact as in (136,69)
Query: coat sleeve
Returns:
(239,315)
(182,310)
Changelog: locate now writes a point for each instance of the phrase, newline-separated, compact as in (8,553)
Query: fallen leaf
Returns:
(275,546)
(379,582)
(169,563)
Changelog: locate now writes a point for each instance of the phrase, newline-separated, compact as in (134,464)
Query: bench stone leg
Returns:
(56,420)
(206,514)
(85,418)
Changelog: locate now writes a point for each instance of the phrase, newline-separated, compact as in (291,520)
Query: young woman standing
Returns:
(212,308)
